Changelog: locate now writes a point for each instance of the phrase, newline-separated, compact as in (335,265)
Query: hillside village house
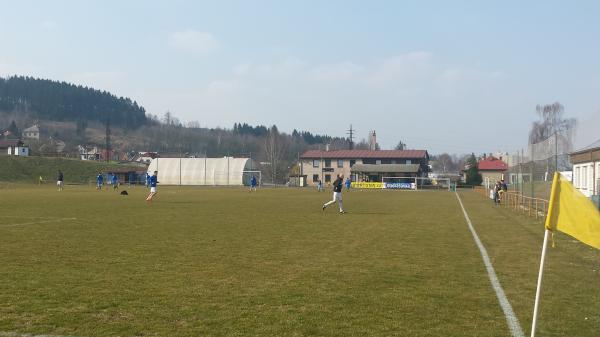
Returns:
(363,165)
(31,133)
(13,147)
(586,169)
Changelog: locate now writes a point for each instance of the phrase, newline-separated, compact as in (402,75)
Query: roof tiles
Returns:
(379,154)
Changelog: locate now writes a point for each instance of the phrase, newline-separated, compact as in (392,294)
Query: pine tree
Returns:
(473,175)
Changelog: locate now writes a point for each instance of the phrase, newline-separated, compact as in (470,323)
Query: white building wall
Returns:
(586,178)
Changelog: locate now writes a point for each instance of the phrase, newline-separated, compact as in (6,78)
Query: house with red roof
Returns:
(492,169)
(363,165)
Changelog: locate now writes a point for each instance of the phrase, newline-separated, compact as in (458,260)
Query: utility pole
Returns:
(350,134)
(555,151)
(107,139)
(532,169)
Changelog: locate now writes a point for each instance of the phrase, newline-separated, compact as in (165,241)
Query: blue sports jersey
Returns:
(253,181)
(114,179)
(100,178)
(153,181)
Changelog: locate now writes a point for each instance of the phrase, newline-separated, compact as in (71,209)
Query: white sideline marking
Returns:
(511,318)
(37,223)
(17,334)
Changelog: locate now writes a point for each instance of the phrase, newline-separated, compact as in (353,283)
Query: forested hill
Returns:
(61,101)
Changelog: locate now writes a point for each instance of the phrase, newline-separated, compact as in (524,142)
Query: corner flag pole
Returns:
(539,284)
(543,258)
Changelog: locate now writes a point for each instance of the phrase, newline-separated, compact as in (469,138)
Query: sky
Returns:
(445,76)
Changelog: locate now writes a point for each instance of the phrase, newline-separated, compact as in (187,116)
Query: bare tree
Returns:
(275,150)
(401,146)
(551,122)
(444,163)
(362,145)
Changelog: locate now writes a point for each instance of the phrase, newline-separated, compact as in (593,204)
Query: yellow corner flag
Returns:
(571,212)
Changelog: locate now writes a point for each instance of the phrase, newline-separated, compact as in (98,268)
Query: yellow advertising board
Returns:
(356,184)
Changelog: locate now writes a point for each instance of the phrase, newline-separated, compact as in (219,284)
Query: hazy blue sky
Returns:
(455,76)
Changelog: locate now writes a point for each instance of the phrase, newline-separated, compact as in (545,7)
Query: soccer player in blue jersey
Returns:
(253,184)
(115,181)
(99,181)
(153,182)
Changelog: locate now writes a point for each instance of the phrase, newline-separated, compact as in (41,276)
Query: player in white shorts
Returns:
(337,193)
(153,182)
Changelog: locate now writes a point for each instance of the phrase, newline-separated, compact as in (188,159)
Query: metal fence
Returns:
(516,201)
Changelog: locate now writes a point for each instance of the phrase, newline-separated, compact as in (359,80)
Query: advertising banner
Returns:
(375,185)
(400,186)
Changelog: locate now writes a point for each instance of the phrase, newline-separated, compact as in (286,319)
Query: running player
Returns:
(115,182)
(153,182)
(337,193)
(99,181)
(60,180)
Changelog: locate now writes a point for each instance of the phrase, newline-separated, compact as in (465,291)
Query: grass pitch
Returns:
(225,262)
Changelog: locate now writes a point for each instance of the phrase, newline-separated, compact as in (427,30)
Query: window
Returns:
(386,161)
(378,161)
(352,162)
(584,177)
(576,178)
(315,178)
(368,161)
(316,163)
(327,178)
(327,162)
(340,163)
(408,161)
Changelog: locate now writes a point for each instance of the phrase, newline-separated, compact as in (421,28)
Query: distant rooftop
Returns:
(492,163)
(379,154)
(594,145)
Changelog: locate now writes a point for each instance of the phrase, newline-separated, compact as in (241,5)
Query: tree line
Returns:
(61,101)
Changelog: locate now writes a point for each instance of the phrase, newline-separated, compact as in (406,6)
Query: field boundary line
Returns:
(37,223)
(18,334)
(511,318)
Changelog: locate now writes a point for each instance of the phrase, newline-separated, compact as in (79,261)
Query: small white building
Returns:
(14,147)
(32,132)
(586,169)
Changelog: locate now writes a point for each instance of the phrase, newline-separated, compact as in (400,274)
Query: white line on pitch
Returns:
(38,222)
(511,318)
(17,334)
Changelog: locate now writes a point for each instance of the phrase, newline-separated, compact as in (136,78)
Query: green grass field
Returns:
(16,169)
(224,262)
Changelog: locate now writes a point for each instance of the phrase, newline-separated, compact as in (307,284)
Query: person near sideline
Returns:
(503,189)
(337,193)
(319,185)
(115,182)
(253,184)
(99,181)
(147,179)
(60,180)
(497,189)
(348,184)
(153,182)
